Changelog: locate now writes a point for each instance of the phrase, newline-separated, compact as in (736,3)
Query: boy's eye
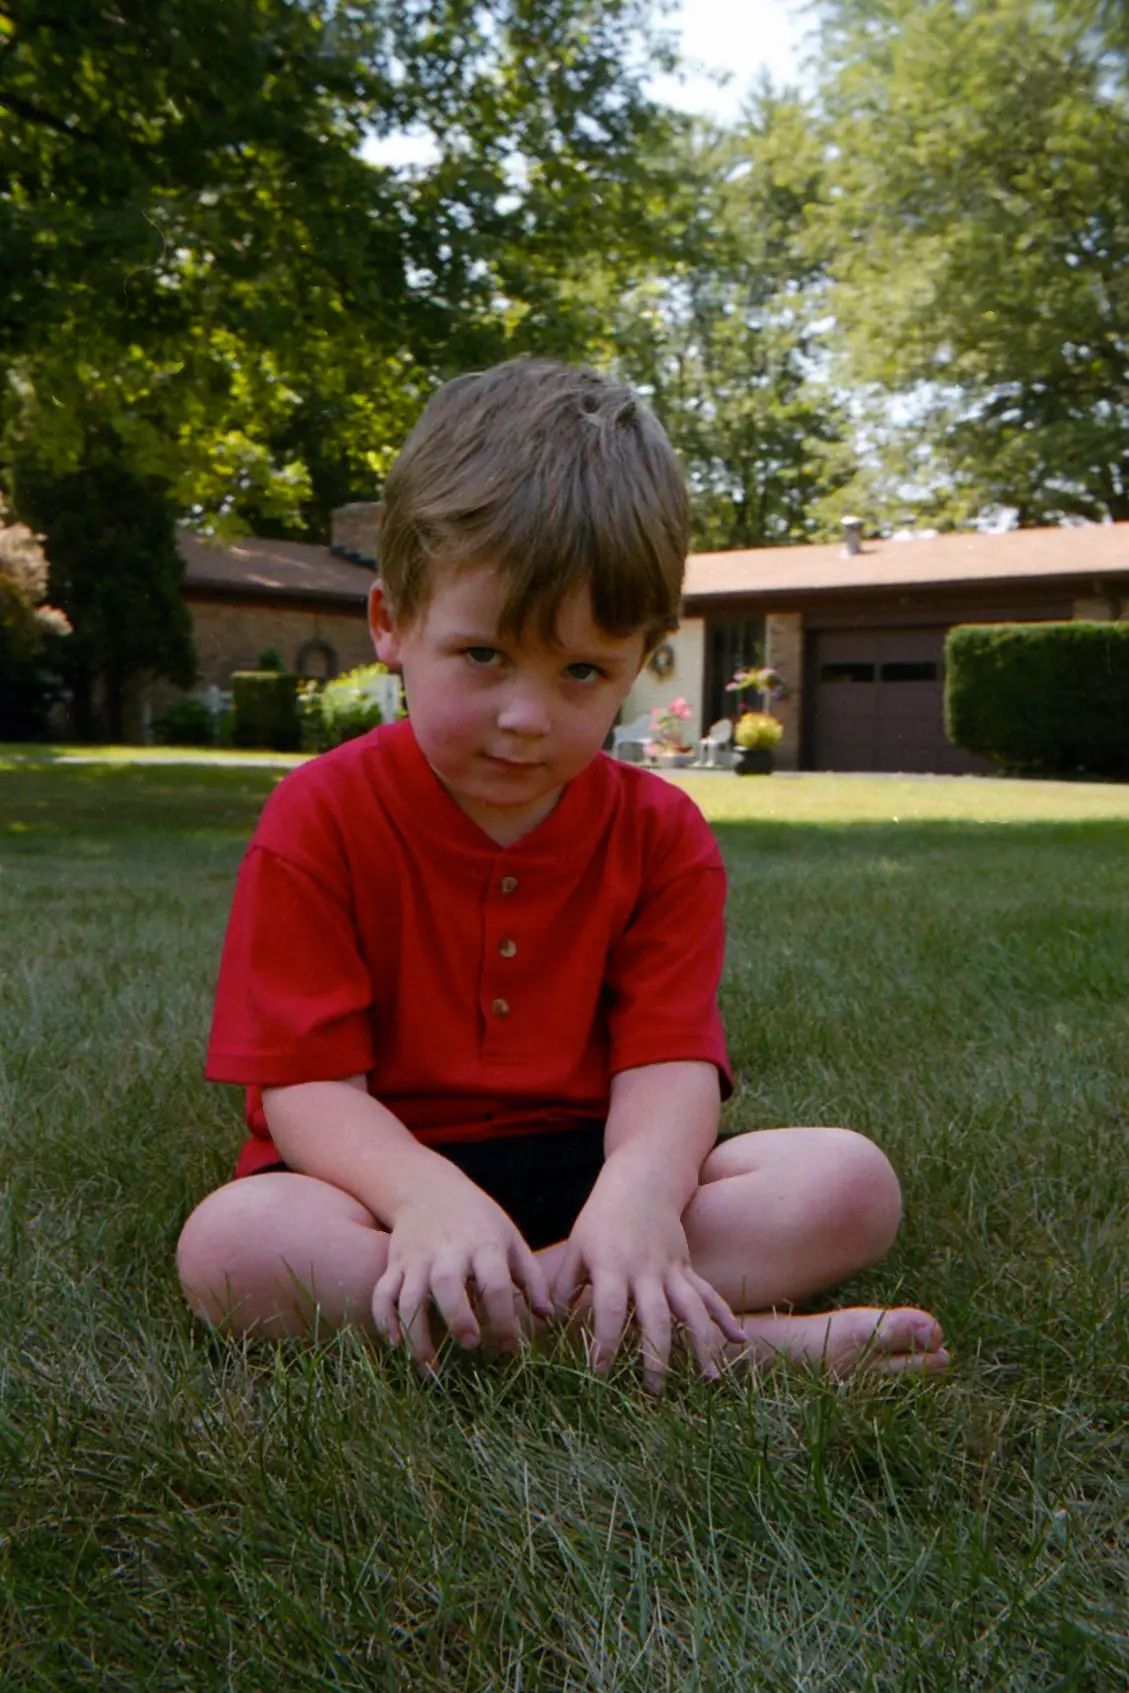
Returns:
(583,672)
(482,657)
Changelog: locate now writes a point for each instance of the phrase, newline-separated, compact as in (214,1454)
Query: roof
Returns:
(1095,550)
(257,567)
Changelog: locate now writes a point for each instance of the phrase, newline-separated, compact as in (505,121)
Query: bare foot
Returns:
(891,1342)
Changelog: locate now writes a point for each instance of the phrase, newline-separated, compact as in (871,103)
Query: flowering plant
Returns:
(763,680)
(666,726)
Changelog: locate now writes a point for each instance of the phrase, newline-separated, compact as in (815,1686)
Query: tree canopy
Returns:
(727,338)
(205,282)
(907,292)
(978,238)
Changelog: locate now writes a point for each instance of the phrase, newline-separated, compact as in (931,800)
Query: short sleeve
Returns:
(294,995)
(663,974)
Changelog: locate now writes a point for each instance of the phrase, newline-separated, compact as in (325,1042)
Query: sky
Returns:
(741,37)
(738,37)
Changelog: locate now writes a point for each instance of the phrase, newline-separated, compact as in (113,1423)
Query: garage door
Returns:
(878,702)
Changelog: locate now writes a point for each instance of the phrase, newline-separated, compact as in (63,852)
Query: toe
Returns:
(907,1330)
(911,1363)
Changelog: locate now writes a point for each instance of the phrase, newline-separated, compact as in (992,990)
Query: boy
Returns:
(471,971)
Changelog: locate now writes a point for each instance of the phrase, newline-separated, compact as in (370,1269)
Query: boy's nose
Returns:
(524,711)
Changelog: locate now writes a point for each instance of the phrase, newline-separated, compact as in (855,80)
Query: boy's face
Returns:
(504,724)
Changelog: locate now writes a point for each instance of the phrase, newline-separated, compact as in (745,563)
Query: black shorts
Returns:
(541,1181)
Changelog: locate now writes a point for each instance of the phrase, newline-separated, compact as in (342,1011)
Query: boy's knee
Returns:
(865,1193)
(215,1245)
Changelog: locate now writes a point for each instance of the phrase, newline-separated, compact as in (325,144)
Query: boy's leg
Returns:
(782,1214)
(258,1255)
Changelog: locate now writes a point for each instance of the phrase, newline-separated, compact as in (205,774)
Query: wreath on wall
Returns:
(661,662)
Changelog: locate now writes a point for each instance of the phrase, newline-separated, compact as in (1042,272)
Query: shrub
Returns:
(1041,698)
(756,729)
(340,710)
(271,659)
(266,709)
(186,723)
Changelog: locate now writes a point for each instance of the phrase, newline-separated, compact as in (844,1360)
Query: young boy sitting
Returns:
(471,972)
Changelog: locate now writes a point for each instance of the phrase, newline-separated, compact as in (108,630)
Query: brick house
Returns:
(858,632)
(308,602)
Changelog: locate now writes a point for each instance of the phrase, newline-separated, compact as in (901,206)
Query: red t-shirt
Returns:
(484,990)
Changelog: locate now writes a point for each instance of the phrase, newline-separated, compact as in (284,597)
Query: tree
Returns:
(27,625)
(212,307)
(25,621)
(204,280)
(727,341)
(116,572)
(979,234)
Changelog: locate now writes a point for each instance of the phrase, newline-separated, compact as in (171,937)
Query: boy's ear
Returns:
(382,625)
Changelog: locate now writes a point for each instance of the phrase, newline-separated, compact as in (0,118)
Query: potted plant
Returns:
(666,745)
(755,734)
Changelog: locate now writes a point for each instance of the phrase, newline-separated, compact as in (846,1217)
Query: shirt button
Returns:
(507,948)
(500,1008)
(508,884)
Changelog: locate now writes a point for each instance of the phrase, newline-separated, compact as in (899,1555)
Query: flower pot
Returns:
(675,760)
(753,761)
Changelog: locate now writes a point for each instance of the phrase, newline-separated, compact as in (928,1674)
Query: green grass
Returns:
(177,1512)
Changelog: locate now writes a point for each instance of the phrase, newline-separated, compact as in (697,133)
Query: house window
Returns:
(733,645)
(317,661)
(911,670)
(846,671)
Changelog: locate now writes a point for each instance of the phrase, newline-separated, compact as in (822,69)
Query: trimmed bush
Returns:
(1048,699)
(266,709)
(186,723)
(340,710)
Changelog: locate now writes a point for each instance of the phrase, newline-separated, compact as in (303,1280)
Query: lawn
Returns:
(942,964)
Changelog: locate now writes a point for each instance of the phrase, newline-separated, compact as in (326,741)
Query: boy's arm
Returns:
(446,1235)
(628,1244)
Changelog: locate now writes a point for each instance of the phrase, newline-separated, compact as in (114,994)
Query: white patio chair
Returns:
(629,739)
(713,743)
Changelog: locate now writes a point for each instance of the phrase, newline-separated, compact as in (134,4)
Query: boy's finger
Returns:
(413,1307)
(496,1296)
(653,1320)
(719,1309)
(384,1297)
(449,1291)
(530,1276)
(567,1282)
(609,1318)
(706,1341)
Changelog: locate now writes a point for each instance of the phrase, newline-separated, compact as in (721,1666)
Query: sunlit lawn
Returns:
(942,964)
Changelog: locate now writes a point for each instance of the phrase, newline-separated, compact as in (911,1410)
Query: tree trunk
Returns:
(82,702)
(115,709)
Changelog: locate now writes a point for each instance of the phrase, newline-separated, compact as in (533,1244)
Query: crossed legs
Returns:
(780,1215)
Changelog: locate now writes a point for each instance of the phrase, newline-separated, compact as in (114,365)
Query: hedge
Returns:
(1046,699)
(341,710)
(266,709)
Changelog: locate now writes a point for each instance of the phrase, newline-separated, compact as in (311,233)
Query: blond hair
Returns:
(557,476)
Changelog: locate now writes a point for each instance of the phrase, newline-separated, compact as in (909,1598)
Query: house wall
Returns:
(231,636)
(686,680)
(784,653)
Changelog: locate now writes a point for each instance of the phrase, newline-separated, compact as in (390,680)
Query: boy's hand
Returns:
(632,1255)
(442,1247)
